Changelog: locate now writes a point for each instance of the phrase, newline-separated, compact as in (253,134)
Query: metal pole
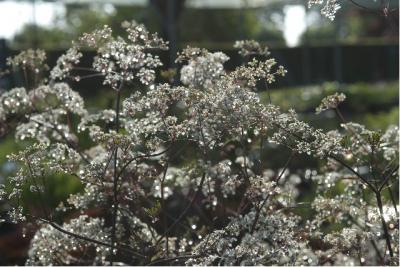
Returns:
(34,26)
(171,31)
(338,51)
(306,53)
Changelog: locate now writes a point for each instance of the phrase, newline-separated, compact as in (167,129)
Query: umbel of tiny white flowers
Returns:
(143,201)
(329,9)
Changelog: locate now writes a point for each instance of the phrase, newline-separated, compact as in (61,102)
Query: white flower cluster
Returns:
(118,60)
(303,138)
(330,102)
(256,70)
(65,64)
(204,69)
(33,60)
(44,107)
(13,102)
(52,247)
(250,48)
(330,7)
(273,242)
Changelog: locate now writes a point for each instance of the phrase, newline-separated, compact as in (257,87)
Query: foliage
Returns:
(220,206)
(360,97)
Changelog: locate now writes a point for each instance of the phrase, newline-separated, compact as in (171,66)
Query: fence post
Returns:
(337,54)
(3,61)
(305,53)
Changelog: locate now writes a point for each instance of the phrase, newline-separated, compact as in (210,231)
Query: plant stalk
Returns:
(115,183)
(384,226)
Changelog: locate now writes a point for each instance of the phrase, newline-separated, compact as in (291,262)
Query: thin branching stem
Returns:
(384,225)
(163,207)
(200,186)
(115,181)
(256,218)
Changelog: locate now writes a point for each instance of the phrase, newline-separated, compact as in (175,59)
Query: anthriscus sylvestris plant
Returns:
(175,174)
